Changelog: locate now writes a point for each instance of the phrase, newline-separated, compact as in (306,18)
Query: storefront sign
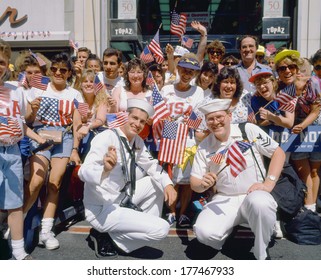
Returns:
(202,17)
(273,8)
(307,141)
(126,9)
(123,29)
(12,15)
(276,28)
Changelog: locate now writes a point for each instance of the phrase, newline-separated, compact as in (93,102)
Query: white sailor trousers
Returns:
(218,218)
(131,229)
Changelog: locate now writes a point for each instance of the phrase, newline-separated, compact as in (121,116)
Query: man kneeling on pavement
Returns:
(225,163)
(124,221)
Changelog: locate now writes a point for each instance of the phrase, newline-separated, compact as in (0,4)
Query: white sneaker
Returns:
(48,240)
(277,232)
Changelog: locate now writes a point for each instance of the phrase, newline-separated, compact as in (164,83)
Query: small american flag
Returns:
(116,119)
(287,102)
(173,142)
(250,115)
(194,121)
(98,85)
(155,48)
(150,80)
(73,45)
(82,107)
(235,159)
(10,130)
(22,80)
(39,81)
(218,157)
(40,61)
(178,24)
(187,42)
(146,55)
(161,112)
(4,97)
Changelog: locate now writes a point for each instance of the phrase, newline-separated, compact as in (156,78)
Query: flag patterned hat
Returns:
(141,104)
(215,105)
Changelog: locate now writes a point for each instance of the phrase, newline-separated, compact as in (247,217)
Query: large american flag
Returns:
(161,112)
(178,24)
(39,81)
(155,48)
(55,112)
(4,97)
(235,159)
(194,120)
(286,101)
(173,142)
(146,55)
(10,130)
(82,107)
(116,119)
(98,85)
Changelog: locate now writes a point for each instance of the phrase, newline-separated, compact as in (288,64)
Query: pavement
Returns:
(180,244)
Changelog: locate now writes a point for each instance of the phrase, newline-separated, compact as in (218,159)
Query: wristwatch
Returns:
(271,177)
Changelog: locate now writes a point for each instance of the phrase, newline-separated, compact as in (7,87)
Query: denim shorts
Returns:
(313,157)
(11,178)
(62,150)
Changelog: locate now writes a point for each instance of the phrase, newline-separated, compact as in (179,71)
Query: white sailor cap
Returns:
(215,105)
(141,104)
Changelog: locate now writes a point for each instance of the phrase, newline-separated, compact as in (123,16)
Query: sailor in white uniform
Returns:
(241,194)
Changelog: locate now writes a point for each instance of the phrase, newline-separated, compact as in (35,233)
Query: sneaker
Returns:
(48,240)
(28,258)
(277,231)
(184,221)
(171,219)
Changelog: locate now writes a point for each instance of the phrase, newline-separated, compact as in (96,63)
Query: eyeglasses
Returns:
(219,119)
(63,71)
(229,63)
(291,67)
(317,67)
(218,53)
(262,82)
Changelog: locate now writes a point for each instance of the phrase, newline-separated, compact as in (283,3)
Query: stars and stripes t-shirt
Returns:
(11,122)
(56,108)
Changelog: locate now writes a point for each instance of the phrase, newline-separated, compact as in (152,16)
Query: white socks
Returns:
(18,250)
(311,207)
(46,225)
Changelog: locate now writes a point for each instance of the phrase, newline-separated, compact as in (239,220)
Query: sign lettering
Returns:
(12,14)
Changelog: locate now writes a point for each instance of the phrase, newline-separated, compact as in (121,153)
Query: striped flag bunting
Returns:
(116,119)
(155,48)
(146,55)
(235,159)
(82,107)
(39,81)
(194,120)
(178,24)
(173,142)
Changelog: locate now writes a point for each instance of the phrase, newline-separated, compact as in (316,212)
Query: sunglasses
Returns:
(211,51)
(229,63)
(291,67)
(63,71)
(317,67)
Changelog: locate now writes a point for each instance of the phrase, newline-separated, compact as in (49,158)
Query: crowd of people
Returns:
(125,187)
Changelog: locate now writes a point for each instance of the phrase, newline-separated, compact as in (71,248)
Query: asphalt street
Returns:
(180,244)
